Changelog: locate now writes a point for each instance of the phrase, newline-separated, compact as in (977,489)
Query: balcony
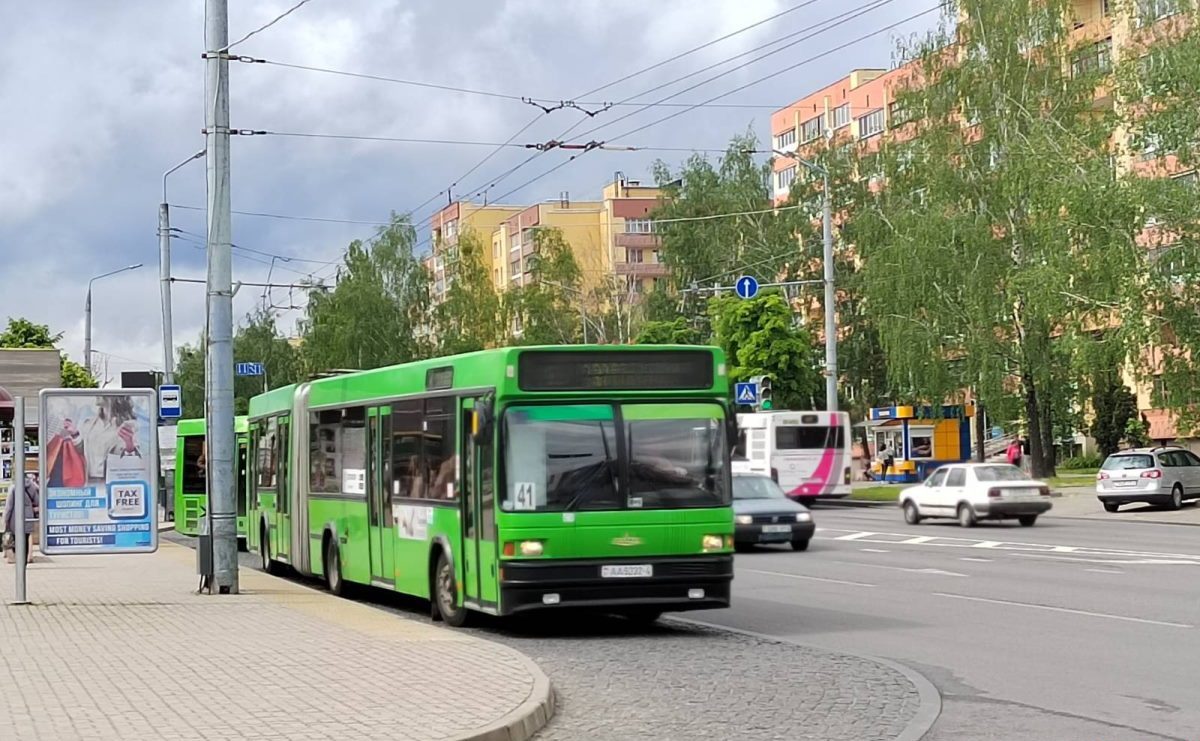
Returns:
(642,269)
(637,241)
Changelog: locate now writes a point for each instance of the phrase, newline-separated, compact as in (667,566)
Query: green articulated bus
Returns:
(506,480)
(191,492)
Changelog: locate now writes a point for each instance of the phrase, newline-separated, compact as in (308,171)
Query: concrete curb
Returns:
(528,718)
(854,503)
(929,706)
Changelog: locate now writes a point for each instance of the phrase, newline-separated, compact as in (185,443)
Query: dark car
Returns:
(762,514)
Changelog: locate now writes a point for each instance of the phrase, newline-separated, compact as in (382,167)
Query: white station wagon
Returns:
(971,492)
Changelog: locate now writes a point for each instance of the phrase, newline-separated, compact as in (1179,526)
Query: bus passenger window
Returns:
(441,462)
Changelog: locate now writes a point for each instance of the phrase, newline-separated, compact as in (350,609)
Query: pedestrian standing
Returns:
(1016,453)
(32,501)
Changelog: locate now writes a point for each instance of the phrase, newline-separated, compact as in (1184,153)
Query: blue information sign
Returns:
(746,286)
(99,471)
(170,402)
(249,369)
(745,393)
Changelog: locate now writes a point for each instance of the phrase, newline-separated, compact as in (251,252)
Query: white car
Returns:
(971,492)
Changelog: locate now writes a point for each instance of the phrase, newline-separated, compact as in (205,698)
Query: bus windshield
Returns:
(566,457)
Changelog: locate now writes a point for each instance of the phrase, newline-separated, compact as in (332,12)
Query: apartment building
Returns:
(634,246)
(447,225)
(514,243)
(861,108)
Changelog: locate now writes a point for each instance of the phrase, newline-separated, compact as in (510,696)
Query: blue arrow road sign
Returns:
(745,393)
(249,369)
(746,287)
(170,402)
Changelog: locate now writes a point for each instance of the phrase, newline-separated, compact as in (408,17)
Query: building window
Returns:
(640,226)
(657,254)
(785,178)
(451,229)
(634,256)
(841,116)
(812,128)
(514,268)
(870,124)
(1160,390)
(1151,11)
(1096,58)
(898,113)
(786,139)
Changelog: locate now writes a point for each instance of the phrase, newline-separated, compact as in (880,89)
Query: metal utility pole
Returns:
(219,294)
(87,314)
(831,369)
(164,274)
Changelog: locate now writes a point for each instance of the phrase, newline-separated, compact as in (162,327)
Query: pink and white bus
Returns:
(807,453)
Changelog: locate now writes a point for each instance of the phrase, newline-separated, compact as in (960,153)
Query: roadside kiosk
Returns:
(920,440)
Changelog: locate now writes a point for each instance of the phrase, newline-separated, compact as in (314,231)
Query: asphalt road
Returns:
(673,681)
(1075,630)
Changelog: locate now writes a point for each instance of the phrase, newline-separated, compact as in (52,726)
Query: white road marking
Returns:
(855,536)
(873,550)
(808,578)
(1015,548)
(1068,610)
(909,569)
(1105,571)
(1083,558)
(976,560)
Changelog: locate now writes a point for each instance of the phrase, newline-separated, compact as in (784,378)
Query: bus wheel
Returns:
(445,593)
(333,568)
(264,552)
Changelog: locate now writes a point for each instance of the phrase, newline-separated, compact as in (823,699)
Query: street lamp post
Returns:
(831,400)
(164,273)
(87,314)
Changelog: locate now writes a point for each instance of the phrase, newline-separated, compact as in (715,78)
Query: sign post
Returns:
(99,471)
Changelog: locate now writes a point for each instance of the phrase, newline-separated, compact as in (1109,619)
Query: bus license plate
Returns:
(777,528)
(625,572)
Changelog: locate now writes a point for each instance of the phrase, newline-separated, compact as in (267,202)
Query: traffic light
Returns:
(765,402)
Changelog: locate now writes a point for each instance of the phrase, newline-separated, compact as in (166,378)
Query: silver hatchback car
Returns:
(1166,475)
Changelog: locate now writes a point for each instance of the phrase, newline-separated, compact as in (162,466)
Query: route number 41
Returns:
(525,497)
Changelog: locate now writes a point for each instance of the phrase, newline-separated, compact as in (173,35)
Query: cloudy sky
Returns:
(102,96)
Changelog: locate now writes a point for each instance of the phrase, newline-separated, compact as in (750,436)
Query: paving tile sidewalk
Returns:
(121,647)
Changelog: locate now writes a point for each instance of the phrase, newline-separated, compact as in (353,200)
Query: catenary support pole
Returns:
(164,281)
(219,293)
(831,364)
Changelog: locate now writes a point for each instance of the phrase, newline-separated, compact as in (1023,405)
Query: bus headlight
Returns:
(712,543)
(743,519)
(803,517)
(531,548)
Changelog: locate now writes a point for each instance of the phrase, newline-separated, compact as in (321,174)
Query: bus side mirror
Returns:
(483,417)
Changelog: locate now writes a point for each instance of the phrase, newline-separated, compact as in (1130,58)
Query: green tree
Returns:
(760,336)
(1157,93)
(1113,407)
(716,250)
(546,310)
(1001,235)
(678,331)
(1137,432)
(256,340)
(24,334)
(378,313)
(470,316)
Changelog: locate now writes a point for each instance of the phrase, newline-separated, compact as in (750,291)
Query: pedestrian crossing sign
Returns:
(746,393)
